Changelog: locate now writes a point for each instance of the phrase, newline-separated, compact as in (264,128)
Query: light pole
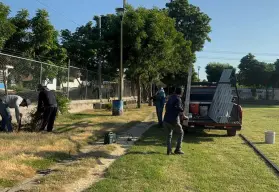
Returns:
(117,107)
(199,73)
(99,63)
(121,12)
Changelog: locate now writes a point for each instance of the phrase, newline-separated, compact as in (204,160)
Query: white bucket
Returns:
(270,137)
(203,111)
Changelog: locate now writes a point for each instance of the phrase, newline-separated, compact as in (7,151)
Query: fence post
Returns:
(41,73)
(86,84)
(68,88)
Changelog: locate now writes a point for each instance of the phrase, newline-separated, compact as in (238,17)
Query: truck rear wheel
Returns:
(231,132)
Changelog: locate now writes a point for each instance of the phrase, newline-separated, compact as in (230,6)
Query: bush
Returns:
(34,120)
(109,106)
(17,88)
(63,103)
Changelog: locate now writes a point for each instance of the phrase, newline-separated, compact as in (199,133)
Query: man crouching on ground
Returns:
(48,105)
(12,101)
(174,110)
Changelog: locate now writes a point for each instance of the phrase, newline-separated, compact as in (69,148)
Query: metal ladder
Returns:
(222,104)
(187,96)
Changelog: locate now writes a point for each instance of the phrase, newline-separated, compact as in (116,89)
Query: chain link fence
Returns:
(21,76)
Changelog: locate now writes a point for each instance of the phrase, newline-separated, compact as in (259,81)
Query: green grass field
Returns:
(257,120)
(212,161)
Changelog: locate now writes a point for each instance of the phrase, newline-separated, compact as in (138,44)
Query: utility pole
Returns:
(100,62)
(199,73)
(121,55)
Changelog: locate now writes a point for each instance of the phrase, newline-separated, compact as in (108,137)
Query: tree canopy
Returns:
(191,21)
(159,44)
(214,71)
(6,27)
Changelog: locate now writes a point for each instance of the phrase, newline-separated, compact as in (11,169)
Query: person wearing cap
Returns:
(174,111)
(160,99)
(47,104)
(14,101)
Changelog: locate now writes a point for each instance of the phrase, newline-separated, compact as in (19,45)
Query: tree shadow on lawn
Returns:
(63,157)
(158,137)
(259,106)
(105,126)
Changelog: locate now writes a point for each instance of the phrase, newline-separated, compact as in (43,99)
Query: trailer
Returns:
(213,105)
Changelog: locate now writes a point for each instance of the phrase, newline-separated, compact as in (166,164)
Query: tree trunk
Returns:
(144,92)
(266,93)
(138,92)
(150,94)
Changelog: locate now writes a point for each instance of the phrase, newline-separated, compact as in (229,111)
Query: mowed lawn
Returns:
(212,162)
(24,153)
(259,119)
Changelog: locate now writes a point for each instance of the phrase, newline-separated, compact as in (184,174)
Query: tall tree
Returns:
(19,42)
(35,38)
(214,71)
(6,27)
(191,21)
(153,42)
(255,73)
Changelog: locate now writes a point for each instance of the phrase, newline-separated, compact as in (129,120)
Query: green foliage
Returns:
(109,106)
(35,38)
(17,88)
(63,103)
(191,21)
(6,27)
(35,119)
(214,71)
(255,73)
(19,41)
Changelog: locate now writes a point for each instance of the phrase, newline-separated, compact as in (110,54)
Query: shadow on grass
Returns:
(143,153)
(80,116)
(259,143)
(259,106)
(115,127)
(49,158)
(158,137)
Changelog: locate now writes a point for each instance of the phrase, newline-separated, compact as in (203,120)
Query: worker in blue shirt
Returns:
(174,111)
(160,99)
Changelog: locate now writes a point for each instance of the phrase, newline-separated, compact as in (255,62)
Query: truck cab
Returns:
(201,97)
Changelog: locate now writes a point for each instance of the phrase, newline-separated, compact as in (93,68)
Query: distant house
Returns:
(54,84)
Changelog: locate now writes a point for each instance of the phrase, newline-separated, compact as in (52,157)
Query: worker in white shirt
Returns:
(15,101)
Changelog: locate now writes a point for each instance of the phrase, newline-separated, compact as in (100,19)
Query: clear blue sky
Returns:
(238,26)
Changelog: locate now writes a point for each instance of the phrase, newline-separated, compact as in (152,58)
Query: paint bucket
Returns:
(117,107)
(203,111)
(194,108)
(270,137)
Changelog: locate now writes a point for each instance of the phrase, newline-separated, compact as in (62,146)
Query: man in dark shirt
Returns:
(174,111)
(48,105)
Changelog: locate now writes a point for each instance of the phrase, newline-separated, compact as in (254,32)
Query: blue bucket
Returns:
(117,107)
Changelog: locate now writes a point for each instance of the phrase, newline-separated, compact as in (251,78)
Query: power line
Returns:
(226,58)
(240,53)
(59,13)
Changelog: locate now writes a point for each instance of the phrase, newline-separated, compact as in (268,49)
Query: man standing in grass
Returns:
(15,101)
(47,104)
(160,99)
(174,111)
